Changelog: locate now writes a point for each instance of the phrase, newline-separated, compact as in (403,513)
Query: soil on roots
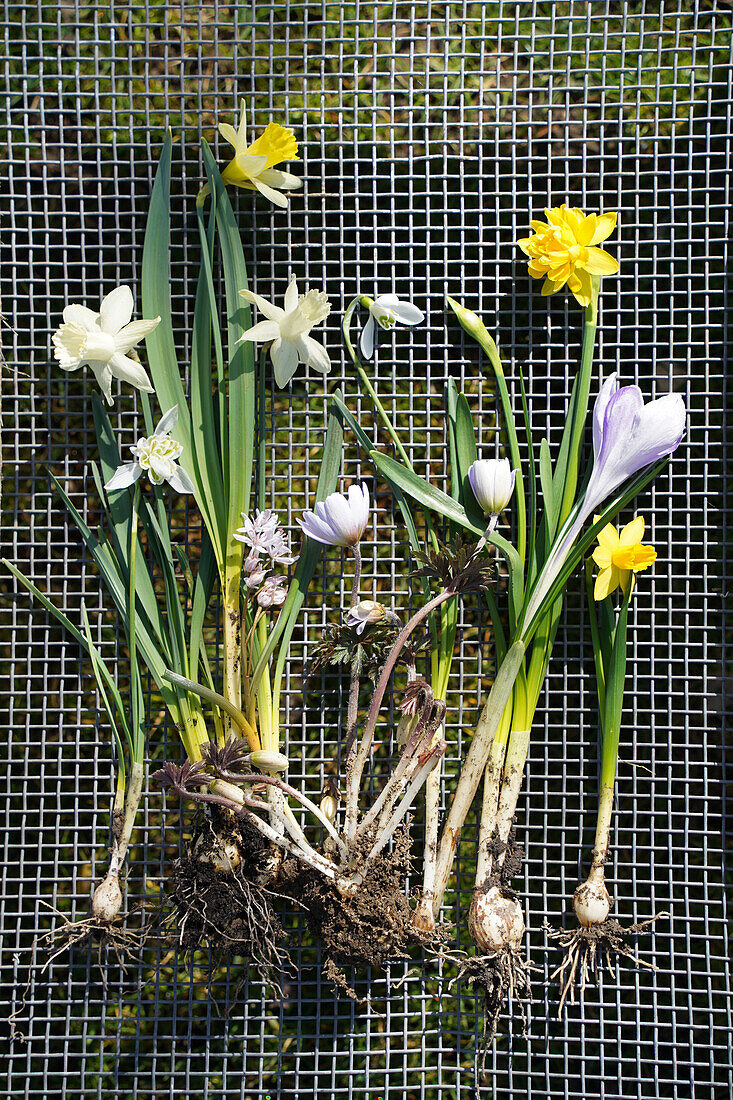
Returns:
(368,929)
(587,949)
(500,976)
(230,911)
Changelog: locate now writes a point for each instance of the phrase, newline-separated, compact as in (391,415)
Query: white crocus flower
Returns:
(157,455)
(288,330)
(386,311)
(103,339)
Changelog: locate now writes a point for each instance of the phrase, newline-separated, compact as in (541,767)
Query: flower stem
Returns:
(475,763)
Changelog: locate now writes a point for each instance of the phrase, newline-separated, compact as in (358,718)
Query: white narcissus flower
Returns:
(338,520)
(492,482)
(103,339)
(386,311)
(288,330)
(157,455)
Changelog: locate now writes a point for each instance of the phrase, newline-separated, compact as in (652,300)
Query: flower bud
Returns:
(268,761)
(492,482)
(366,612)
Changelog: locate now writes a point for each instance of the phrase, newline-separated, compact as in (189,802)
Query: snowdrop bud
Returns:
(268,761)
(492,481)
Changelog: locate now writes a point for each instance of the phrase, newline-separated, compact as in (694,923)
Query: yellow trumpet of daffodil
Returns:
(563,250)
(253,165)
(619,556)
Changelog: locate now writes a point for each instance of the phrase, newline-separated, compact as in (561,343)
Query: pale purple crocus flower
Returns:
(386,311)
(628,436)
(338,520)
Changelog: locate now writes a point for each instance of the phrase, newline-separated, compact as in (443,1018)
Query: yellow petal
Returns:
(548,288)
(607,536)
(276,143)
(581,286)
(605,227)
(539,227)
(606,583)
(632,533)
(600,262)
(586,230)
(602,557)
(644,557)
(228,133)
(524,244)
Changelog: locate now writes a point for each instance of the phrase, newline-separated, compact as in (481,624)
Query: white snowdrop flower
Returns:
(288,330)
(156,454)
(386,311)
(102,341)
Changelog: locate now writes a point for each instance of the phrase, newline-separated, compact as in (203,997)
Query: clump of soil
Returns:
(368,929)
(586,949)
(228,910)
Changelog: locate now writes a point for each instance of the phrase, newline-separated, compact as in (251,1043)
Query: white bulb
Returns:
(107,899)
(591,903)
(495,920)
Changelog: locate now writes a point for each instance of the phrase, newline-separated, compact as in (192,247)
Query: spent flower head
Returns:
(619,556)
(102,341)
(253,166)
(563,250)
(155,455)
(288,330)
(386,311)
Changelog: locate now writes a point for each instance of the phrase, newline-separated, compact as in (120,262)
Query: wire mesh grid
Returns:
(430,133)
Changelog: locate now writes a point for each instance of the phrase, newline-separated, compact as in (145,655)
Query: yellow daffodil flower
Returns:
(620,556)
(253,166)
(562,251)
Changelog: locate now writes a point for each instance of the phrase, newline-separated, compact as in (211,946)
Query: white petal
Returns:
(251,165)
(167,422)
(291,295)
(116,310)
(366,343)
(103,374)
(269,193)
(123,477)
(273,313)
(180,481)
(262,332)
(130,371)
(316,528)
(313,353)
(273,177)
(608,389)
(407,313)
(284,357)
(132,334)
(80,315)
(359,505)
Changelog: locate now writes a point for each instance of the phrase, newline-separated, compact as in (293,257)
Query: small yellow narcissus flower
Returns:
(563,250)
(619,556)
(253,166)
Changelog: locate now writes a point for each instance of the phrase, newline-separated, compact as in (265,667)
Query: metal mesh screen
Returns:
(430,134)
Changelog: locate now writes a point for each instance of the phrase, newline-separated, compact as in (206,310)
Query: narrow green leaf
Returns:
(516,575)
(547,486)
(241,396)
(423,492)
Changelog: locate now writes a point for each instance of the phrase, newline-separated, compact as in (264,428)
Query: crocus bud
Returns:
(268,761)
(492,481)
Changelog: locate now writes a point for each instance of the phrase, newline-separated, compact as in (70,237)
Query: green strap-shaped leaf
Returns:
(423,492)
(516,575)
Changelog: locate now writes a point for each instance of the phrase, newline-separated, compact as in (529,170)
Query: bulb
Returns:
(223,855)
(495,920)
(107,900)
(591,902)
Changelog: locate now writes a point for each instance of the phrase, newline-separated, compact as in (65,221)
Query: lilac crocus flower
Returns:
(628,436)
(338,520)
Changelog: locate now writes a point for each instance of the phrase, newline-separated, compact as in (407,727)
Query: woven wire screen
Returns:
(430,134)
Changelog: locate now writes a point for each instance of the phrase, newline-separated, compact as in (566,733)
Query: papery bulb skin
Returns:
(223,855)
(591,903)
(495,920)
(107,900)
(423,918)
